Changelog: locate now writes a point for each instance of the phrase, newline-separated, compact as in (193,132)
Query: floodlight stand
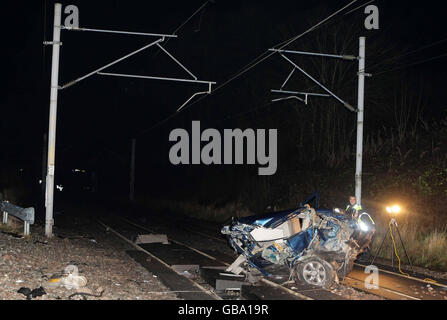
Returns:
(394,226)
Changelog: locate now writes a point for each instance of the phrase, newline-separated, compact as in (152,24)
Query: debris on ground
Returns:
(187,274)
(352,294)
(41,242)
(35,262)
(29,294)
(84,293)
(67,280)
(12,234)
(151,238)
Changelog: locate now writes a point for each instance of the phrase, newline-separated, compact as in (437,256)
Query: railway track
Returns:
(392,285)
(199,288)
(287,293)
(228,262)
(357,280)
(389,276)
(397,286)
(385,292)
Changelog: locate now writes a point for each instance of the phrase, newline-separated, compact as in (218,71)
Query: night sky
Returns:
(98,117)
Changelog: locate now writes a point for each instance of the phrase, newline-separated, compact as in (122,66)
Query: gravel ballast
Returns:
(99,256)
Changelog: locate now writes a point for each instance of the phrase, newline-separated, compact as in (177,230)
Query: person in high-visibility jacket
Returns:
(366,227)
(353,207)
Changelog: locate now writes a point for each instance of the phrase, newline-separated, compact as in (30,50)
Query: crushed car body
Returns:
(318,246)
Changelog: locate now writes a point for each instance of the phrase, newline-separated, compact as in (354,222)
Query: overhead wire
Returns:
(184,23)
(187,20)
(408,53)
(412,64)
(360,6)
(281,45)
(265,55)
(240,114)
(272,102)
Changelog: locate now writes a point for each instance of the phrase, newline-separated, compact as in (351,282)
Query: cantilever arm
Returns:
(69,84)
(121,32)
(290,97)
(347,105)
(195,94)
(176,61)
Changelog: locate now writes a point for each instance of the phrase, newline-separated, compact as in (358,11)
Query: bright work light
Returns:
(394,209)
(363,226)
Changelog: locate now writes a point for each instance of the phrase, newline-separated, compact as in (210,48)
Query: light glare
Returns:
(393,209)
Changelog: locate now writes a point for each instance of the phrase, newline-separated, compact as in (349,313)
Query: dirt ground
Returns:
(100,257)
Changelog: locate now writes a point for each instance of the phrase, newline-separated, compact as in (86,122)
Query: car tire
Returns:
(316,272)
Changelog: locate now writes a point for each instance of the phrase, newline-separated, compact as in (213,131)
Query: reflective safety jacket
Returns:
(353,209)
(367,215)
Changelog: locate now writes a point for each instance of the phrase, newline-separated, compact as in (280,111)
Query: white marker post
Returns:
(360,106)
(49,192)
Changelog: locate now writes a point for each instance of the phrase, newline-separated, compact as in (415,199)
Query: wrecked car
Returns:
(319,246)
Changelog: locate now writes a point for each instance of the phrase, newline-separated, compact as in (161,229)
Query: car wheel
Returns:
(316,272)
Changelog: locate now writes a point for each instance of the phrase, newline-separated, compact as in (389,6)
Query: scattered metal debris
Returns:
(151,238)
(84,295)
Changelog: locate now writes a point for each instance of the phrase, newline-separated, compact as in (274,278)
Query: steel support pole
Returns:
(360,106)
(26,228)
(44,166)
(49,193)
